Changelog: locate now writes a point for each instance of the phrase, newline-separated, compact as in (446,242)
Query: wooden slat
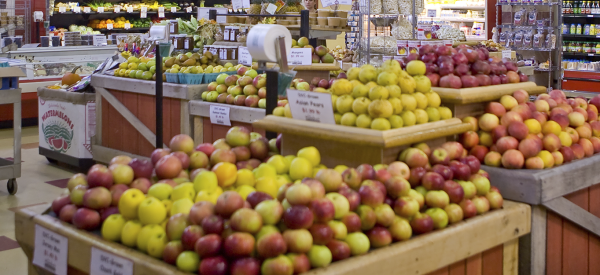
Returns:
(441,271)
(458,268)
(105,121)
(130,135)
(207,128)
(139,86)
(236,113)
(575,210)
(104,154)
(554,252)
(474,265)
(483,94)
(98,130)
(510,258)
(115,120)
(575,239)
(492,261)
(148,118)
(532,247)
(198,129)
(517,185)
(594,241)
(175,122)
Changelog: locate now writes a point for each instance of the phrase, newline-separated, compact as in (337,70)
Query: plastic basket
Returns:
(191,79)
(172,78)
(208,78)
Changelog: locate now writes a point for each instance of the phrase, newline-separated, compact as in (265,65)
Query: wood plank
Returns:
(236,113)
(594,241)
(517,185)
(532,247)
(130,135)
(139,86)
(458,268)
(566,179)
(575,238)
(482,94)
(98,130)
(474,265)
(554,244)
(186,121)
(441,271)
(176,122)
(105,122)
(510,258)
(208,129)
(574,212)
(198,129)
(148,118)
(115,119)
(491,261)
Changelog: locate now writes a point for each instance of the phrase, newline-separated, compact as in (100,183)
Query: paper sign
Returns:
(104,263)
(129,9)
(143,12)
(237,4)
(300,56)
(86,9)
(109,26)
(219,115)
(161,12)
(507,54)
(76,9)
(327,3)
(188,9)
(432,13)
(62,9)
(100,9)
(50,251)
(271,9)
(127,26)
(244,56)
(117,9)
(173,9)
(311,106)
(99,40)
(246,3)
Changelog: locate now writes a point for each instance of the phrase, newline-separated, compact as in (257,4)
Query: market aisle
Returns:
(32,189)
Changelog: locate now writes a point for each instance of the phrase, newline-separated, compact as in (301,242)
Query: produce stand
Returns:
(10,93)
(126,117)
(453,248)
(366,145)
(67,123)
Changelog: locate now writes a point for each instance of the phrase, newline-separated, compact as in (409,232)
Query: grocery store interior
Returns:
(284,137)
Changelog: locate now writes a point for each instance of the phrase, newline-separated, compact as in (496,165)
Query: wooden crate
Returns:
(126,115)
(486,244)
(205,131)
(565,200)
(353,146)
(471,101)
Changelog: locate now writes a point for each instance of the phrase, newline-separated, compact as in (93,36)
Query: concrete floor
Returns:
(40,182)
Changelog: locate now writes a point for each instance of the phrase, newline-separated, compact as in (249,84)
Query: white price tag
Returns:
(386,57)
(50,251)
(188,9)
(246,3)
(432,13)
(100,9)
(173,9)
(271,9)
(143,12)
(104,263)
(117,9)
(219,115)
(161,12)
(341,65)
(237,4)
(62,9)
(99,40)
(507,54)
(244,56)
(127,26)
(327,3)
(109,26)
(311,106)
(300,56)
(76,9)
(129,9)
(86,10)
(590,16)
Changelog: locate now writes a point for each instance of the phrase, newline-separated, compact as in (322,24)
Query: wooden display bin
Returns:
(471,101)
(353,146)
(486,244)
(126,115)
(205,131)
(565,225)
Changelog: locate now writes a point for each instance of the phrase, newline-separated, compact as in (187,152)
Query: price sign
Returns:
(117,9)
(129,9)
(77,9)
(311,106)
(300,56)
(104,263)
(507,54)
(143,12)
(99,40)
(161,12)
(62,9)
(109,26)
(100,9)
(86,10)
(188,9)
(327,3)
(50,251)
(219,115)
(244,56)
(271,9)
(237,4)
(590,16)
(127,26)
(432,13)
(173,9)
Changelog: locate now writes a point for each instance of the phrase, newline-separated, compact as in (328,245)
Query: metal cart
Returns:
(11,94)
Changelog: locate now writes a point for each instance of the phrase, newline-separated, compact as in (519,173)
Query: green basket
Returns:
(208,78)
(190,79)
(172,78)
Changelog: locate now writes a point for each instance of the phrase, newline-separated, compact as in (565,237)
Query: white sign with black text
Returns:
(311,106)
(219,115)
(50,251)
(300,56)
(244,56)
(104,263)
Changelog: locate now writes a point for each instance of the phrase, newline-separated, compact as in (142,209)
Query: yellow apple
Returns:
(168,205)
(209,196)
(181,206)
(112,227)
(310,153)
(445,113)
(265,170)
(206,181)
(161,191)
(184,190)
(129,202)
(421,100)
(245,190)
(268,185)
(146,233)
(152,211)
(278,162)
(433,99)
(122,173)
(244,177)
(301,168)
(409,102)
(340,168)
(156,245)
(283,179)
(130,231)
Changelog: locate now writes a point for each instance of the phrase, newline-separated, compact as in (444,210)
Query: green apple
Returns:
(409,102)
(340,231)
(265,170)
(206,181)
(409,118)
(445,112)
(112,227)
(146,233)
(156,245)
(359,243)
(278,161)
(130,232)
(400,229)
(266,229)
(161,191)
(188,261)
(421,100)
(439,217)
(433,113)
(283,179)
(181,206)
(183,191)
(340,168)
(421,116)
(319,256)
(340,204)
(77,194)
(129,202)
(152,211)
(270,211)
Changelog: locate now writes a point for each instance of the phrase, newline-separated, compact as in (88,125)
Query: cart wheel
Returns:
(12,186)
(53,161)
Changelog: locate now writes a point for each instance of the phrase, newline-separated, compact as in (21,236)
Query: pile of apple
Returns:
(515,133)
(383,98)
(465,67)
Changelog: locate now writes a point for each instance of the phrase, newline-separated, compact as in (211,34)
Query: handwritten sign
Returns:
(237,4)
(100,9)
(86,10)
(188,9)
(127,26)
(99,40)
(77,9)
(300,56)
(104,263)
(143,12)
(161,12)
(129,9)
(62,9)
(117,9)
(244,56)
(109,26)
(50,251)
(432,13)
(219,115)
(507,54)
(311,106)
(271,9)
(173,9)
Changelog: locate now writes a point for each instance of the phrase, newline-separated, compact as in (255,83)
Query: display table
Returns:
(485,244)
(126,115)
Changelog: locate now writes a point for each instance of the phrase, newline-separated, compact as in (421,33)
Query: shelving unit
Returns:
(461,7)
(575,79)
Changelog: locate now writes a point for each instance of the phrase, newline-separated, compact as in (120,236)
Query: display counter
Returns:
(126,115)
(581,80)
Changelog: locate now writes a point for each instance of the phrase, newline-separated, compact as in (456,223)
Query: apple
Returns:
(385,215)
(323,210)
(59,203)
(482,185)
(416,174)
(379,237)
(244,266)
(213,224)
(271,245)
(406,207)
(437,199)
(481,204)
(366,172)
(468,208)
(257,197)
(397,169)
(99,175)
(432,181)
(214,266)
(352,222)
(340,250)
(397,186)
(352,196)
(168,167)
(454,190)
(340,204)
(171,251)
(67,212)
(239,244)
(352,178)
(298,217)
(439,217)
(454,213)
(460,170)
(246,220)
(200,211)
(86,219)
(190,235)
(422,223)
(228,203)
(371,195)
(416,158)
(473,163)
(176,225)
(359,243)
(367,215)
(298,241)
(321,233)
(76,180)
(339,229)
(278,265)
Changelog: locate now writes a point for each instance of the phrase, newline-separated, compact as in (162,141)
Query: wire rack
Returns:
(16,9)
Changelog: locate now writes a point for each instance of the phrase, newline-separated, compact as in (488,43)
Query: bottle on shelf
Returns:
(587,8)
(576,7)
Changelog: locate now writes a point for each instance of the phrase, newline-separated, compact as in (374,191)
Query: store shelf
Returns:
(475,38)
(510,26)
(462,7)
(123,30)
(529,4)
(579,36)
(581,54)
(120,13)
(452,19)
(531,49)
(581,15)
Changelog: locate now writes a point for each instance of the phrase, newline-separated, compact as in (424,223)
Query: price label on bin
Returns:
(188,9)
(173,9)
(244,56)
(507,54)
(219,115)
(50,251)
(109,26)
(161,12)
(129,9)
(77,9)
(117,9)
(100,9)
(143,12)
(62,9)
(311,106)
(300,56)
(127,26)
(104,263)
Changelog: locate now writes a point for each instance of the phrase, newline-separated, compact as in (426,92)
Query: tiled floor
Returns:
(40,182)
